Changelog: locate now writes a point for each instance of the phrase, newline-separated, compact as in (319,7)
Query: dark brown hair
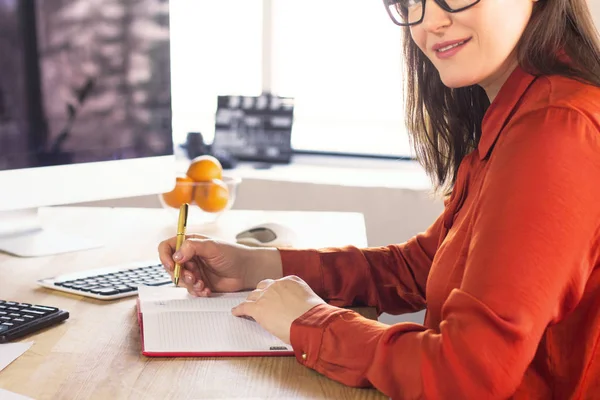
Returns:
(445,123)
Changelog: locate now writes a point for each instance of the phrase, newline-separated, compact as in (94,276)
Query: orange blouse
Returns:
(509,273)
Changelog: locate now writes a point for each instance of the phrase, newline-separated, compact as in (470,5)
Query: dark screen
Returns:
(83,81)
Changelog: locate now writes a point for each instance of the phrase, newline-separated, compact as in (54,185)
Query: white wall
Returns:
(595,7)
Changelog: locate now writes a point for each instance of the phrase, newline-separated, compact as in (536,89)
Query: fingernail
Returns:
(197,286)
(188,278)
(177,256)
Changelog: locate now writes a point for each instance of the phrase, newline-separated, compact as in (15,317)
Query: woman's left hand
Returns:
(275,304)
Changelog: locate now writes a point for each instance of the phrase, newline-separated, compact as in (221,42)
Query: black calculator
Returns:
(20,319)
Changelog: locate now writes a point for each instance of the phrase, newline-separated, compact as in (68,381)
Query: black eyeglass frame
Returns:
(442,3)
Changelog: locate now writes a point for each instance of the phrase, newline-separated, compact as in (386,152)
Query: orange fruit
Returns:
(212,196)
(182,193)
(205,168)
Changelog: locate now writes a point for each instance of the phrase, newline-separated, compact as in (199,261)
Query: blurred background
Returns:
(342,65)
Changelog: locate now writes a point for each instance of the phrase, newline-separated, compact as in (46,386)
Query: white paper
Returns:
(11,351)
(174,321)
(6,395)
(158,299)
(195,331)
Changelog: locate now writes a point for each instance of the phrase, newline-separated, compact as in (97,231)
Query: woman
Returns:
(509,272)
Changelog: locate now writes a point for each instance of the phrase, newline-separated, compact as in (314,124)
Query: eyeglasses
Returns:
(412,12)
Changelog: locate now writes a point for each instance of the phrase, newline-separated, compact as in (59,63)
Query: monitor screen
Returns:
(83,81)
(85,110)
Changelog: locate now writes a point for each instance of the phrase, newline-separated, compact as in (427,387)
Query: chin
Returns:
(455,81)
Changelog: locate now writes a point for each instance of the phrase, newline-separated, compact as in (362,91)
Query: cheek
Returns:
(419,36)
(499,42)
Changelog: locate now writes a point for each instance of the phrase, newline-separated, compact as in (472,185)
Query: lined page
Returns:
(194,331)
(175,322)
(159,299)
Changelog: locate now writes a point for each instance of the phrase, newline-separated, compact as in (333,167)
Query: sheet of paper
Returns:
(157,299)
(11,351)
(174,321)
(6,395)
(196,331)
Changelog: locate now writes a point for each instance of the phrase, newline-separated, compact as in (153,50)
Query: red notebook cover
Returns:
(271,353)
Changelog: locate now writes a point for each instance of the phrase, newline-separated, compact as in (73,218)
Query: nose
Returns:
(435,18)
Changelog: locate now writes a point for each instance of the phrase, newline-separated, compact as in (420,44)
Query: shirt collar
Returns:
(502,108)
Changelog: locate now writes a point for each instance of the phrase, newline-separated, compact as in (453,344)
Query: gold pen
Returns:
(181,225)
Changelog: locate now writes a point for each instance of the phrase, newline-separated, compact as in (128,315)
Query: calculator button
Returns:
(105,291)
(42,308)
(125,288)
(159,283)
(36,312)
(89,288)
(3,328)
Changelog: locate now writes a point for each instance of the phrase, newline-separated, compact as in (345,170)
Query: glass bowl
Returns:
(207,200)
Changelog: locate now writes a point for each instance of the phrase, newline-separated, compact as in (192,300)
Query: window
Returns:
(215,49)
(341,61)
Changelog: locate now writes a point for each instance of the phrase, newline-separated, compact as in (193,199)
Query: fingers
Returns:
(192,277)
(245,309)
(165,253)
(191,247)
(198,285)
(194,286)
(166,249)
(264,283)
(255,295)
(248,307)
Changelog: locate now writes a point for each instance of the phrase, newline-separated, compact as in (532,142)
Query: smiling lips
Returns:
(449,48)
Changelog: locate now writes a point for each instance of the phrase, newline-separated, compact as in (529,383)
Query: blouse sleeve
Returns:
(391,278)
(535,243)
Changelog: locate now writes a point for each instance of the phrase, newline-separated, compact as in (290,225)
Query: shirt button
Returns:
(304,356)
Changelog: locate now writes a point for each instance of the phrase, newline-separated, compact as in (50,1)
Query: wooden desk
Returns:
(95,354)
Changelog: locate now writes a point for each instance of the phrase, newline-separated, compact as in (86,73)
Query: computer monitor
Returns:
(85,111)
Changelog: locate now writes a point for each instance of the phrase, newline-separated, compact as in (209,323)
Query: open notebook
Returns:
(173,323)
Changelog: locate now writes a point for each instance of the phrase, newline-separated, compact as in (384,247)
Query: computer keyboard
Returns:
(111,282)
(20,319)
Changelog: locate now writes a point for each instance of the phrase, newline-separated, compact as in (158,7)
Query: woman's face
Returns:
(490,31)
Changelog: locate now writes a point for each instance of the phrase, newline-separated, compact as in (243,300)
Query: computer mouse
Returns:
(268,234)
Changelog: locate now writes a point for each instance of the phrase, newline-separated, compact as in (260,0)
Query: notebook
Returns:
(175,324)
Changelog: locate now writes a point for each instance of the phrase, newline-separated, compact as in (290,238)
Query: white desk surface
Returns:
(95,354)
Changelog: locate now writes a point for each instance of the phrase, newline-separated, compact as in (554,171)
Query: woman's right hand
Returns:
(210,265)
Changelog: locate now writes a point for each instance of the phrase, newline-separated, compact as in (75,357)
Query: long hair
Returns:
(444,124)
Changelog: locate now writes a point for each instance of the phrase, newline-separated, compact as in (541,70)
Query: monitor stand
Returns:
(22,235)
